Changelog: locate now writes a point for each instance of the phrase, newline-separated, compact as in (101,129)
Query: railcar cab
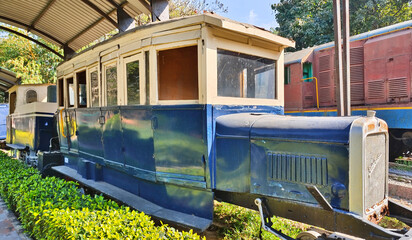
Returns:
(138,110)
(30,120)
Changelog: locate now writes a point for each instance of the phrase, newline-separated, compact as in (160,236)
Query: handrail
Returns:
(317,93)
(61,123)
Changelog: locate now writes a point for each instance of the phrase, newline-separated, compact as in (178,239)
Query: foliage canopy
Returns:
(310,22)
(31,62)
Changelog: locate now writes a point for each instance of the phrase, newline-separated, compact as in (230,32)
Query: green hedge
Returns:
(52,208)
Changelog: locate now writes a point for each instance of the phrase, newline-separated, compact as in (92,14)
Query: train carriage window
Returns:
(70,91)
(133,85)
(287,75)
(111,85)
(61,93)
(94,87)
(31,96)
(307,72)
(245,76)
(81,89)
(178,74)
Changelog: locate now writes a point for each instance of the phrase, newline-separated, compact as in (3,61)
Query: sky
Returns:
(255,12)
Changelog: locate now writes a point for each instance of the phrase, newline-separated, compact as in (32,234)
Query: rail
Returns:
(317,93)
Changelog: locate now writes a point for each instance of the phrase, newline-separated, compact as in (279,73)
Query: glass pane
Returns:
(246,76)
(133,88)
(94,82)
(111,85)
(71,94)
(82,95)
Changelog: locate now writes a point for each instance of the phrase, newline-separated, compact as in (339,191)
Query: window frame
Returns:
(154,81)
(103,94)
(142,77)
(210,69)
(89,70)
(276,85)
(76,86)
(66,90)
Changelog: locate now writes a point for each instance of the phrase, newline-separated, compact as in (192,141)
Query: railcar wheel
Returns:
(308,235)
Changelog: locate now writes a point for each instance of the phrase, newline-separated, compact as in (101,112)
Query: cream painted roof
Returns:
(67,22)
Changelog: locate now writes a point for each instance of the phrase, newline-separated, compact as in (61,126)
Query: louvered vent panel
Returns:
(398,87)
(324,79)
(297,168)
(309,98)
(356,55)
(356,74)
(376,89)
(324,63)
(324,95)
(357,92)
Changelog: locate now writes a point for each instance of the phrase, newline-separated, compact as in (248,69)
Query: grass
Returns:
(234,222)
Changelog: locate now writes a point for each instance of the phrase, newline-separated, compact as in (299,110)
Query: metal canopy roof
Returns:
(7,79)
(71,24)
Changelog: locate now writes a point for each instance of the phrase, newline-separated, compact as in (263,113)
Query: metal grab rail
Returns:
(317,92)
(61,122)
(69,122)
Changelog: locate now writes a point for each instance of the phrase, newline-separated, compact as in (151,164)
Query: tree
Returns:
(31,62)
(310,22)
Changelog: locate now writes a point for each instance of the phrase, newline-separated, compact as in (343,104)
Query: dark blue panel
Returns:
(44,132)
(300,163)
(233,164)
(90,134)
(112,137)
(179,139)
(138,141)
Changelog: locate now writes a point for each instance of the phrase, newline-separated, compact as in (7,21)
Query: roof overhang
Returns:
(71,24)
(7,79)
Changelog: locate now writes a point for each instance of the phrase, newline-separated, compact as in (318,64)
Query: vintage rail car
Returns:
(7,80)
(380,81)
(30,123)
(169,116)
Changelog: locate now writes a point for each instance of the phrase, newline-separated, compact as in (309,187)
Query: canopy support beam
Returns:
(41,14)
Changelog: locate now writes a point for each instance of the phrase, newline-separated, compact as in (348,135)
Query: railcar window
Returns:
(177,69)
(307,72)
(94,85)
(81,89)
(70,91)
(245,76)
(61,94)
(111,85)
(31,96)
(287,75)
(133,88)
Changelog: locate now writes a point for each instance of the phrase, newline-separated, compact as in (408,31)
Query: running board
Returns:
(138,203)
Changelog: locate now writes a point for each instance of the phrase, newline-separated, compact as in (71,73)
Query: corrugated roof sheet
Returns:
(66,22)
(7,79)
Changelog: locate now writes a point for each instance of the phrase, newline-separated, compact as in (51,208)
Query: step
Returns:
(138,203)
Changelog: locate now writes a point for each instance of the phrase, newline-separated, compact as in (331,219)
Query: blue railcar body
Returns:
(187,111)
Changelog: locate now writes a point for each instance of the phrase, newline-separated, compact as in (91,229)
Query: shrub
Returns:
(52,208)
